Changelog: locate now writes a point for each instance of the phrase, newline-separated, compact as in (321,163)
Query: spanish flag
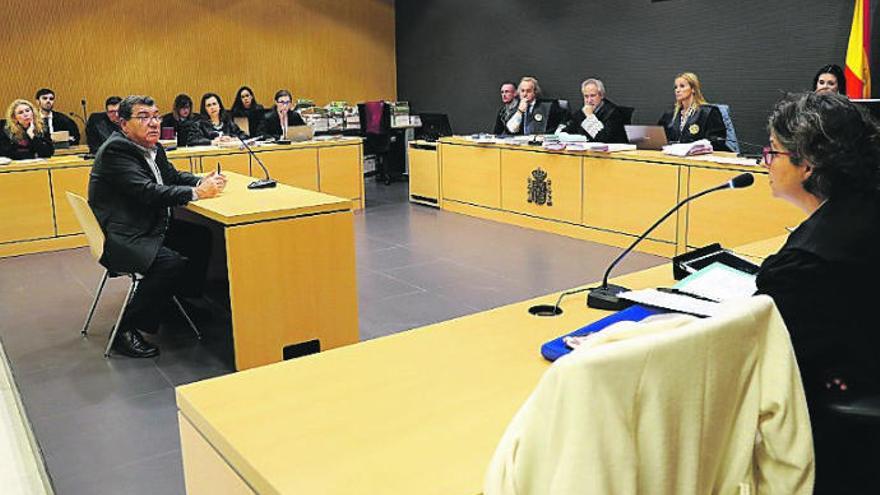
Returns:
(858,59)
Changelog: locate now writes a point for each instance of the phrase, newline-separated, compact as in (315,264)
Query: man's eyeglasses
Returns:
(283,102)
(146,119)
(767,153)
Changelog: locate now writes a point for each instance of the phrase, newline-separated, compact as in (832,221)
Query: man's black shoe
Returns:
(130,343)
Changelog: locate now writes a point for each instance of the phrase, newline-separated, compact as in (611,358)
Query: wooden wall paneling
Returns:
(298,168)
(341,50)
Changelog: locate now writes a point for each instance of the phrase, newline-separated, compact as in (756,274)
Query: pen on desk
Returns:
(218,169)
(679,292)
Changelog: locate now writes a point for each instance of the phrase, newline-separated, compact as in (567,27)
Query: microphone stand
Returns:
(605,296)
(265,183)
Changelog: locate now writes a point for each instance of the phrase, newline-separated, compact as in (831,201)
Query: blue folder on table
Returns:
(556,348)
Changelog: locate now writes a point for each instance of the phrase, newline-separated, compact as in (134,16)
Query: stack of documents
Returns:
(700,293)
(701,147)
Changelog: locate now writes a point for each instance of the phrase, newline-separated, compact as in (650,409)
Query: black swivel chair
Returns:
(381,144)
(627,114)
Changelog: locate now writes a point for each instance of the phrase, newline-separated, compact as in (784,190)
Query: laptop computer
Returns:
(299,133)
(646,137)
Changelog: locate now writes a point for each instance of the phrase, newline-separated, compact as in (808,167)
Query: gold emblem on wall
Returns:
(539,191)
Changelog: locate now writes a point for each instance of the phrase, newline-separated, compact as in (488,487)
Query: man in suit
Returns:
(509,104)
(533,115)
(132,188)
(280,117)
(599,120)
(102,124)
(55,121)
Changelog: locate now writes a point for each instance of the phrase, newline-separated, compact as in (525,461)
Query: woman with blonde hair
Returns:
(692,118)
(24,136)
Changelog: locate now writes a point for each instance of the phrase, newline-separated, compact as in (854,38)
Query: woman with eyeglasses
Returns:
(830,79)
(246,106)
(24,136)
(214,124)
(824,158)
(281,117)
(692,118)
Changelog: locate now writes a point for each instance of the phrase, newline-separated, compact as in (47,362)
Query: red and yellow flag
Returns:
(858,59)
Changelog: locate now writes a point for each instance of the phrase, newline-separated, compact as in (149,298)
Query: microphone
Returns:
(605,296)
(266,183)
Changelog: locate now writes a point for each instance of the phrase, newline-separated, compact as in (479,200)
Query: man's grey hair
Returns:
(534,82)
(595,82)
(126,106)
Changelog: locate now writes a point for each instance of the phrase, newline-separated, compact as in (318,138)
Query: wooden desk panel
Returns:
(472,174)
(413,413)
(291,281)
(735,217)
(75,180)
(424,175)
(183,164)
(334,172)
(628,196)
(27,202)
(240,163)
(526,173)
(298,168)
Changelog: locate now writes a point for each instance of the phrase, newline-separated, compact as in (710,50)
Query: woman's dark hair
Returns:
(834,70)
(238,108)
(181,101)
(836,137)
(219,101)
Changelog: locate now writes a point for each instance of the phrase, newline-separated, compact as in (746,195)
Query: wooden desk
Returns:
(36,216)
(419,412)
(424,173)
(291,268)
(609,197)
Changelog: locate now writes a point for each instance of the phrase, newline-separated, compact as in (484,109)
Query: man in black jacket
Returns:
(132,188)
(280,117)
(509,104)
(534,115)
(55,121)
(599,120)
(102,124)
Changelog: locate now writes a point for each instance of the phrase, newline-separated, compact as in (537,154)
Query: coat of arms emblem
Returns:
(539,191)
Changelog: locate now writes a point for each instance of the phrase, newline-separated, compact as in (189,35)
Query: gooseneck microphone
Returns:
(605,296)
(266,183)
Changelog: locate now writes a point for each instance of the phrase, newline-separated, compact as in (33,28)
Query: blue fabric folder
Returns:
(556,348)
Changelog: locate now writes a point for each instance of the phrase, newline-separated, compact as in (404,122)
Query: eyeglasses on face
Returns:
(768,153)
(146,119)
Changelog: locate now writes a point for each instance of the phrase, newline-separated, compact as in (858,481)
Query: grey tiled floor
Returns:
(110,426)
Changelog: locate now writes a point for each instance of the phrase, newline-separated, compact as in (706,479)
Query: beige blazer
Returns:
(676,406)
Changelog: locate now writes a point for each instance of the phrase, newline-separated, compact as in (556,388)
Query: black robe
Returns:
(824,282)
(705,123)
(612,119)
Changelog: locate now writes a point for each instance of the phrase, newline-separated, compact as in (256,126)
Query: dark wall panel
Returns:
(452,54)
